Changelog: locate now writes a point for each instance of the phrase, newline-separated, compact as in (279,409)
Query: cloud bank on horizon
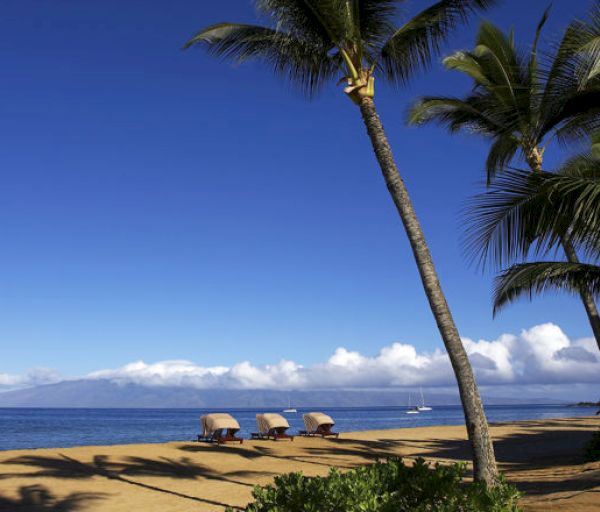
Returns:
(542,355)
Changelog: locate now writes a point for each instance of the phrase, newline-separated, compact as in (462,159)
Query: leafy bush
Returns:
(592,448)
(390,486)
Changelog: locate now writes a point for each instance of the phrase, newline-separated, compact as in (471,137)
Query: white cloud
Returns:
(542,355)
(165,373)
(34,377)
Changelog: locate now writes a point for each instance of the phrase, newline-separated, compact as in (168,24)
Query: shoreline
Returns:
(542,457)
(111,427)
(300,407)
(349,434)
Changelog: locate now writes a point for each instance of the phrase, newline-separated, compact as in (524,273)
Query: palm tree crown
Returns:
(313,41)
(519,104)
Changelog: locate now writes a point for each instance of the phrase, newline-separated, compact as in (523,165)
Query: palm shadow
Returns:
(37,498)
(578,484)
(183,468)
(255,452)
(66,467)
(369,450)
(247,453)
(534,449)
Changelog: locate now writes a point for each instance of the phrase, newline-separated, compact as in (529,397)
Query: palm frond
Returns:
(478,113)
(503,149)
(375,19)
(533,77)
(573,118)
(499,225)
(507,74)
(569,105)
(595,145)
(472,114)
(574,193)
(412,46)
(499,57)
(582,41)
(521,211)
(468,64)
(305,19)
(304,63)
(536,40)
(536,278)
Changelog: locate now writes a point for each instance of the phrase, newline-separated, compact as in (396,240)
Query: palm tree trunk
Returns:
(484,461)
(586,296)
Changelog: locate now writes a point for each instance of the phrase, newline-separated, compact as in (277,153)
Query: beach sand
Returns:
(543,458)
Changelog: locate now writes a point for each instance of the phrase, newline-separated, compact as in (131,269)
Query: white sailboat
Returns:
(411,409)
(290,409)
(423,407)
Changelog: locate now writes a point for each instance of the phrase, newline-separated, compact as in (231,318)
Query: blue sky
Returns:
(158,204)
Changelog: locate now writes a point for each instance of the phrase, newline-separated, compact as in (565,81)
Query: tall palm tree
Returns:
(314,41)
(522,107)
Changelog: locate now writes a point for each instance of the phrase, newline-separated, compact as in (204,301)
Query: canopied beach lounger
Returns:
(271,426)
(219,428)
(318,424)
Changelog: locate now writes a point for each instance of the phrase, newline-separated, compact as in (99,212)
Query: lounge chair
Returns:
(318,424)
(271,426)
(219,428)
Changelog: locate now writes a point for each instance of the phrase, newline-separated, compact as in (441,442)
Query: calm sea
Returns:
(53,428)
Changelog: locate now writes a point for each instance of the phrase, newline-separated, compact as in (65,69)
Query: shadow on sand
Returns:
(317,457)
(535,449)
(126,471)
(37,498)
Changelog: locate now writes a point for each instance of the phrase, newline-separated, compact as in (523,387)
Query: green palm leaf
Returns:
(521,211)
(475,114)
(500,224)
(502,151)
(528,279)
(583,40)
(304,63)
(412,46)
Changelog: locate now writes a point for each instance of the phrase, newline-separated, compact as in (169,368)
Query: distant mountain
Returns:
(106,393)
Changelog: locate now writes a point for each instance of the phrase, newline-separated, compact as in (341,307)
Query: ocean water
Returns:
(54,428)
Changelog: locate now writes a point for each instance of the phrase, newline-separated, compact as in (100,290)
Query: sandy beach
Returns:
(543,458)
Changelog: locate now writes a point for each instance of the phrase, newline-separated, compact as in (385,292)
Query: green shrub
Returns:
(592,448)
(388,486)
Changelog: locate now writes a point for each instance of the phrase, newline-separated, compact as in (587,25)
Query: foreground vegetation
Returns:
(391,486)
(592,448)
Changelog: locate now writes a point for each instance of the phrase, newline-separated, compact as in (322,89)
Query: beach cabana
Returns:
(271,426)
(318,424)
(219,428)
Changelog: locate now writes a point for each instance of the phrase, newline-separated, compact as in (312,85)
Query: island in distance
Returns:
(94,393)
